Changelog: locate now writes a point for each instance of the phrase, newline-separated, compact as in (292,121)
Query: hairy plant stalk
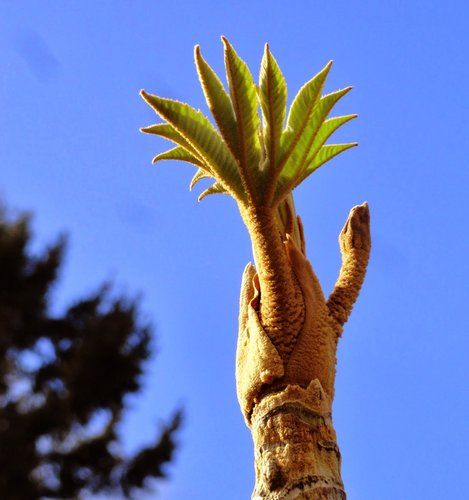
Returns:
(282,308)
(287,400)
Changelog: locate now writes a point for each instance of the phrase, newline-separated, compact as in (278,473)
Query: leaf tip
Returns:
(146,96)
(193,183)
(325,71)
(327,67)
(146,130)
(226,43)
(267,54)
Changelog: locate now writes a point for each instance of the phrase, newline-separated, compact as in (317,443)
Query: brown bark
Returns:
(286,394)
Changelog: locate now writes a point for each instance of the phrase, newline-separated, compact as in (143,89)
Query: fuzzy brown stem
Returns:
(355,244)
(281,308)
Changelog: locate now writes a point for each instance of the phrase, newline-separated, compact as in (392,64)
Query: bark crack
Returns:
(305,414)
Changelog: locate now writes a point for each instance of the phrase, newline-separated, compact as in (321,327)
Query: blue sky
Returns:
(71,152)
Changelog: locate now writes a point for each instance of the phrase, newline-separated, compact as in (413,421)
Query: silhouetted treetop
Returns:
(64,379)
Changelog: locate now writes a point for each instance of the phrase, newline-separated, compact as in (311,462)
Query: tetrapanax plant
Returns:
(288,331)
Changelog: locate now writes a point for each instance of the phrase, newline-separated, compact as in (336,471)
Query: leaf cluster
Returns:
(256,157)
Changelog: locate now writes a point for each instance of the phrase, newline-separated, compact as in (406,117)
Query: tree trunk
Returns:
(296,455)
(286,357)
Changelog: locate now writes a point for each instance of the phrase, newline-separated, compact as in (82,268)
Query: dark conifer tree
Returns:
(63,381)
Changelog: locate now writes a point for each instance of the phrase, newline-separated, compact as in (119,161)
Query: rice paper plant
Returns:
(258,151)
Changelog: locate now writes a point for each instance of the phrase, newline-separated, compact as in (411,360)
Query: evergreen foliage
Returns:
(63,382)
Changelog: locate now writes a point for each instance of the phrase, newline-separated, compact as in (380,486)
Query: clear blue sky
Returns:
(71,152)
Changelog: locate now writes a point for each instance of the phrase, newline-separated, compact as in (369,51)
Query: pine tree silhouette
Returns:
(63,380)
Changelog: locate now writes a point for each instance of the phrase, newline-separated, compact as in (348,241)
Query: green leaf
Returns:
(216,188)
(273,99)
(218,101)
(178,153)
(203,138)
(244,98)
(200,174)
(325,154)
(300,111)
(168,132)
(325,131)
(297,161)
(294,138)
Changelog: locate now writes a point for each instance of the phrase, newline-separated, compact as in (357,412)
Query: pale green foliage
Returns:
(213,189)
(218,101)
(196,129)
(273,100)
(169,132)
(244,98)
(305,119)
(200,174)
(255,162)
(178,153)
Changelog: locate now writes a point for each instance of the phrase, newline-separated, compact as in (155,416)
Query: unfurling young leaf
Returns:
(244,98)
(203,138)
(218,101)
(297,162)
(200,174)
(295,138)
(327,128)
(213,189)
(178,153)
(325,154)
(168,132)
(273,100)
